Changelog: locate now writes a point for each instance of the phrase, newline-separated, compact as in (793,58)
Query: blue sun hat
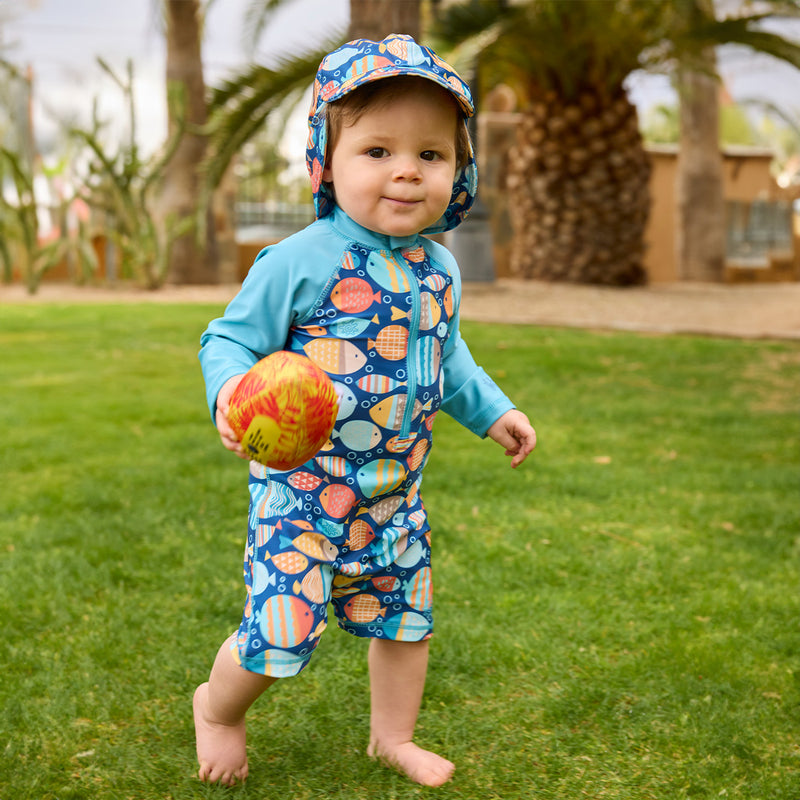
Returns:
(362,61)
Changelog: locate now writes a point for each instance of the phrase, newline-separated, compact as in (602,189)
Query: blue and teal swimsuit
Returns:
(380,316)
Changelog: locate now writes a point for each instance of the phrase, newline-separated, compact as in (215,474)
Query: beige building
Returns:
(763,237)
(758,249)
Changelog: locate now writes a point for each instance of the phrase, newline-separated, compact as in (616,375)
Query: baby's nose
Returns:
(407,168)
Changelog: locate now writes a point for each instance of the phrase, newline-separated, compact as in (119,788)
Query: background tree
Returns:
(240,106)
(694,32)
(578,175)
(700,233)
(191,260)
(375,19)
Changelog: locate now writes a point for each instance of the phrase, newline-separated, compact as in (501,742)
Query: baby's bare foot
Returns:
(421,766)
(221,749)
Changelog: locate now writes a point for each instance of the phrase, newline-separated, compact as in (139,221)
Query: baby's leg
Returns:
(397,679)
(219,710)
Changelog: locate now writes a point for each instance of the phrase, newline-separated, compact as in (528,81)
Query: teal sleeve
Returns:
(281,289)
(470,396)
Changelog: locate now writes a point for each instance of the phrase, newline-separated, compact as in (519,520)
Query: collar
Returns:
(350,229)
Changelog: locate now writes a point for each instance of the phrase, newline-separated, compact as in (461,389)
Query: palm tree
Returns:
(700,233)
(240,106)
(189,261)
(375,19)
(696,31)
(578,174)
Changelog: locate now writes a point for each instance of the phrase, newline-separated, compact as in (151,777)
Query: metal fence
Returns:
(267,207)
(756,230)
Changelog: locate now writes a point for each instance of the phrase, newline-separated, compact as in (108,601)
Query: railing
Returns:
(270,220)
(756,230)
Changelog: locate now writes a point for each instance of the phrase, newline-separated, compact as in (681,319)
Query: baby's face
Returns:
(393,170)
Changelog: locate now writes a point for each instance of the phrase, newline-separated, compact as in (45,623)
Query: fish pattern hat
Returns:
(362,61)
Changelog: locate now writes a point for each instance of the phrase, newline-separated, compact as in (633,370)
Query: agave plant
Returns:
(121,186)
(22,248)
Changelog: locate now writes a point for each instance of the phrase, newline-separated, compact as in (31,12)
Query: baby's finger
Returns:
(523,450)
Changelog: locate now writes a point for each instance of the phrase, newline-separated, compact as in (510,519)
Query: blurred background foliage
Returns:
(579,145)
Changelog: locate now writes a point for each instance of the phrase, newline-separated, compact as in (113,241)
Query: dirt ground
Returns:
(744,310)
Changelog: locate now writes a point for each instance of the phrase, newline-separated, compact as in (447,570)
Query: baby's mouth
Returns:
(403,200)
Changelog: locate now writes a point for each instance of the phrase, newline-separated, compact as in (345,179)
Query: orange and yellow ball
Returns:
(283,410)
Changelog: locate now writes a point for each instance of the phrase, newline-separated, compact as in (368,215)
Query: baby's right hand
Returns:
(226,434)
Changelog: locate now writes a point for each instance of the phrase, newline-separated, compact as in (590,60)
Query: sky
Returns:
(60,39)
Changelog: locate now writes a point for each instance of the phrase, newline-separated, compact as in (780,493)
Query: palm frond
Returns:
(257,17)
(239,108)
(687,38)
(12,69)
(457,23)
(564,46)
(774,45)
(761,41)
(792,121)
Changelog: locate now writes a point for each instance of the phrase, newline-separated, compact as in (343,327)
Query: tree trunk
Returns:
(578,184)
(701,209)
(376,19)
(189,261)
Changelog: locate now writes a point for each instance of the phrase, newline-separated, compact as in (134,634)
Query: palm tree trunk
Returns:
(578,184)
(699,190)
(376,19)
(189,261)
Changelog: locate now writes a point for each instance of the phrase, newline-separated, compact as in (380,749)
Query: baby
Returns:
(376,305)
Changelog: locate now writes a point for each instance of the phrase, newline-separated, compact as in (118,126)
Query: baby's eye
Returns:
(429,155)
(376,152)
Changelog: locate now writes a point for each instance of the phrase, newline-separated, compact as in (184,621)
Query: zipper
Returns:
(411,357)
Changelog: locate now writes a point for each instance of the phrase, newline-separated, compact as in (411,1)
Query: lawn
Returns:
(619,618)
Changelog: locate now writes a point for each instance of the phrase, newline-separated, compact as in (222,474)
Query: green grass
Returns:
(616,619)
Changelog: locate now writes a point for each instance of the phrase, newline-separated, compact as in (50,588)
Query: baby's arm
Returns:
(226,434)
(514,432)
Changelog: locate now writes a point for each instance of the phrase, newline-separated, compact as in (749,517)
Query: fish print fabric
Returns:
(362,61)
(349,527)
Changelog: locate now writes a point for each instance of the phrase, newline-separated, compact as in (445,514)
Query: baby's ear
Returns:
(327,173)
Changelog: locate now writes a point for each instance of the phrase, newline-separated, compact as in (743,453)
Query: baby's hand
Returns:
(514,432)
(229,440)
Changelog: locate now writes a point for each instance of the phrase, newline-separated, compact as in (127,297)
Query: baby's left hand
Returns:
(514,432)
